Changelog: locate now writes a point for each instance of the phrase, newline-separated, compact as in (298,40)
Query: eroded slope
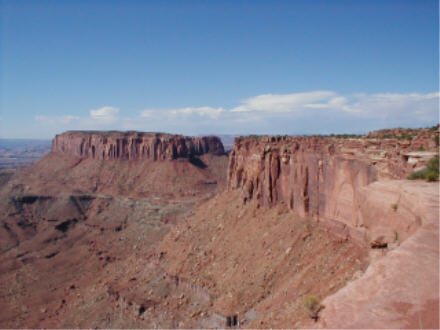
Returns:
(259,263)
(305,216)
(78,237)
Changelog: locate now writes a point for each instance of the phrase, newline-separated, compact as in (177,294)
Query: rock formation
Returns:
(324,178)
(105,232)
(134,145)
(354,189)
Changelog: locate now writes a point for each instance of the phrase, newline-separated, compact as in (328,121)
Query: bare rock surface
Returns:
(321,177)
(349,186)
(401,289)
(134,145)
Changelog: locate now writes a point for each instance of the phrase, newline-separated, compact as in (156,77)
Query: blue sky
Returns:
(222,67)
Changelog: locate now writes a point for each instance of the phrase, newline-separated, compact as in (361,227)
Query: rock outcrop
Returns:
(401,289)
(134,145)
(354,189)
(322,177)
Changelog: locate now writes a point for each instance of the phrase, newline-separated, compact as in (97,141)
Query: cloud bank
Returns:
(314,112)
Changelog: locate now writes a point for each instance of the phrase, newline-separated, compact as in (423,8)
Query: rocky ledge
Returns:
(329,179)
(103,145)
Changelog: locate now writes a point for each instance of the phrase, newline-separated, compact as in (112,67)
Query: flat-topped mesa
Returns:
(104,145)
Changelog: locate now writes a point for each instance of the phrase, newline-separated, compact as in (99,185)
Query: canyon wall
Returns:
(134,145)
(326,178)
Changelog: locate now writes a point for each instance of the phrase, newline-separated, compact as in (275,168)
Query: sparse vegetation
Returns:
(252,136)
(396,236)
(430,173)
(313,306)
(341,136)
(394,206)
(345,136)
(408,137)
(433,128)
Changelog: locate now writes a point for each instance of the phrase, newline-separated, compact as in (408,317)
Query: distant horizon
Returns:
(195,68)
(216,134)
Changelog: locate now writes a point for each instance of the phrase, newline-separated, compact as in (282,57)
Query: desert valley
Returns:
(219,164)
(152,230)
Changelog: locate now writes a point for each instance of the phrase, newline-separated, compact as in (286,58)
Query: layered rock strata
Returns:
(325,178)
(134,145)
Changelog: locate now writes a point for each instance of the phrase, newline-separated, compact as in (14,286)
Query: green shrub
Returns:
(430,173)
(313,306)
(394,207)
(431,176)
(433,164)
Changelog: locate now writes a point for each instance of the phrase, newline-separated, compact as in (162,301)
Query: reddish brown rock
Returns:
(316,176)
(400,289)
(350,187)
(134,145)
(421,138)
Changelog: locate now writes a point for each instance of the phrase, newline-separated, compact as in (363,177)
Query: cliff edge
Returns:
(355,188)
(105,145)
(326,178)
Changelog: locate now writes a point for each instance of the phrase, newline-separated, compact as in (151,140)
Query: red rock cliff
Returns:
(134,145)
(320,177)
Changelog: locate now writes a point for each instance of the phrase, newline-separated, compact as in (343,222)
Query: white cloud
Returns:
(296,113)
(283,102)
(337,102)
(102,117)
(183,113)
(148,113)
(421,107)
(213,113)
(389,105)
(104,114)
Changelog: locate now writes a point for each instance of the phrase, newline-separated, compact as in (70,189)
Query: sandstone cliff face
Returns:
(134,145)
(321,178)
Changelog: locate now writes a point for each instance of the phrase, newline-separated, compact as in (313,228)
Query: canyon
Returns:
(132,229)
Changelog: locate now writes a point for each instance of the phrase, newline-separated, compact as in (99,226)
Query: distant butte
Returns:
(103,145)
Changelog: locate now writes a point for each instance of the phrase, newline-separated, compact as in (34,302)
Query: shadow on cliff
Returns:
(197,162)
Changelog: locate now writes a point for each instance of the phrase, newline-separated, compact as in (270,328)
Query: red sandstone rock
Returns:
(426,138)
(134,145)
(401,289)
(345,184)
(317,177)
